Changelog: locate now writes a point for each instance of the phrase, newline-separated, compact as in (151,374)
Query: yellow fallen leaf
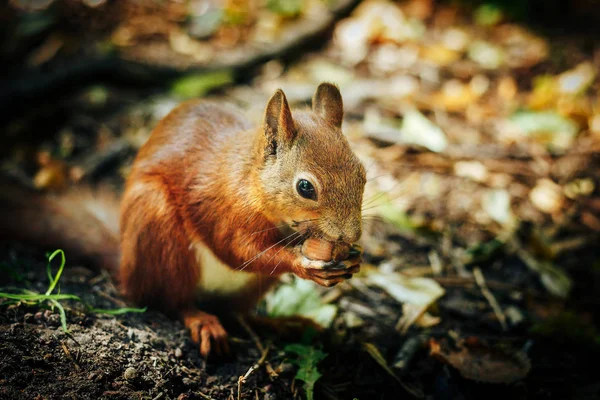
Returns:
(577,79)
(547,196)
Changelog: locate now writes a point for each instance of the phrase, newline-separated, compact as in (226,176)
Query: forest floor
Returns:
(481,138)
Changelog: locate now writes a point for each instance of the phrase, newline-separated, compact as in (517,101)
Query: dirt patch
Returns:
(149,356)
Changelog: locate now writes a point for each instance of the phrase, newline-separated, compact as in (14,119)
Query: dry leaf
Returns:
(471,169)
(547,196)
(414,290)
(486,54)
(52,176)
(454,96)
(576,80)
(418,129)
(479,362)
(496,203)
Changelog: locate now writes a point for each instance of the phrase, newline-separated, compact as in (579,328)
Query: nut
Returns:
(317,249)
(341,251)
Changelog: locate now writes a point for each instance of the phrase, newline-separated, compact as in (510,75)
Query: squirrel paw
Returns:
(330,273)
(206,331)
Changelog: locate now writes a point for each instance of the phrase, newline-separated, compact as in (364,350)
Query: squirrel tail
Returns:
(83,222)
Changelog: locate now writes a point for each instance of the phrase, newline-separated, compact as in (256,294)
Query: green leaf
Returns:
(197,85)
(300,298)
(487,15)
(548,127)
(307,359)
(287,8)
(31,24)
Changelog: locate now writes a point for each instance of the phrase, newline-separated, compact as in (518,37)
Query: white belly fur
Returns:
(216,278)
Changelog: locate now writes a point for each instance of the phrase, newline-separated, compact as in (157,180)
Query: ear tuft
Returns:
(278,122)
(327,102)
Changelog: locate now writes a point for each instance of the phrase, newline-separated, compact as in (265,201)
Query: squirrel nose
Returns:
(350,237)
(350,232)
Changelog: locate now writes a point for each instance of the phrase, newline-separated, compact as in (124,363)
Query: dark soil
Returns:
(149,356)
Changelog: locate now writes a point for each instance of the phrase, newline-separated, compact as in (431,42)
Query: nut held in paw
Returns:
(317,249)
(341,252)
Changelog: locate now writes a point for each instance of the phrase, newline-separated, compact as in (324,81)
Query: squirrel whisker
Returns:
(246,263)
(296,234)
(277,265)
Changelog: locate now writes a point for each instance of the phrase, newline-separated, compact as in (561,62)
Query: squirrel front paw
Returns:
(329,273)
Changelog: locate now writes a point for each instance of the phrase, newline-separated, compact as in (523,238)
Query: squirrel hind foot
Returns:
(207,332)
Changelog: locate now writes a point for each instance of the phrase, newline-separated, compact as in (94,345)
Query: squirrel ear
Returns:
(327,102)
(278,122)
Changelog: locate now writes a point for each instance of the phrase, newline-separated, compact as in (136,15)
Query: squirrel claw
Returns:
(206,331)
(330,277)
(330,273)
(354,251)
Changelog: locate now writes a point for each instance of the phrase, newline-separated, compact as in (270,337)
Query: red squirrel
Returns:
(215,209)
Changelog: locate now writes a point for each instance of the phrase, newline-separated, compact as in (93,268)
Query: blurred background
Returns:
(478,122)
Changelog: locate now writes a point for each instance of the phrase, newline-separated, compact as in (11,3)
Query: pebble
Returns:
(130,373)
(54,320)
(178,353)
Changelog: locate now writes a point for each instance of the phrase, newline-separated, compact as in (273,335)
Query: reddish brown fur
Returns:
(180,192)
(207,178)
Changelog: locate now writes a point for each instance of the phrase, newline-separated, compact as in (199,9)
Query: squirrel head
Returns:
(310,179)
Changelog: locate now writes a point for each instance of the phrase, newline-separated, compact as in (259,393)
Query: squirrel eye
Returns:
(306,189)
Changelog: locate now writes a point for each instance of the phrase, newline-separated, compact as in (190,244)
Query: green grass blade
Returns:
(54,281)
(118,311)
(63,315)
(39,297)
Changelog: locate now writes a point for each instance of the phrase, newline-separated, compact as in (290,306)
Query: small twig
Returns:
(259,345)
(171,370)
(124,327)
(204,396)
(459,281)
(102,276)
(252,334)
(69,356)
(70,336)
(489,296)
(254,367)
(107,296)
